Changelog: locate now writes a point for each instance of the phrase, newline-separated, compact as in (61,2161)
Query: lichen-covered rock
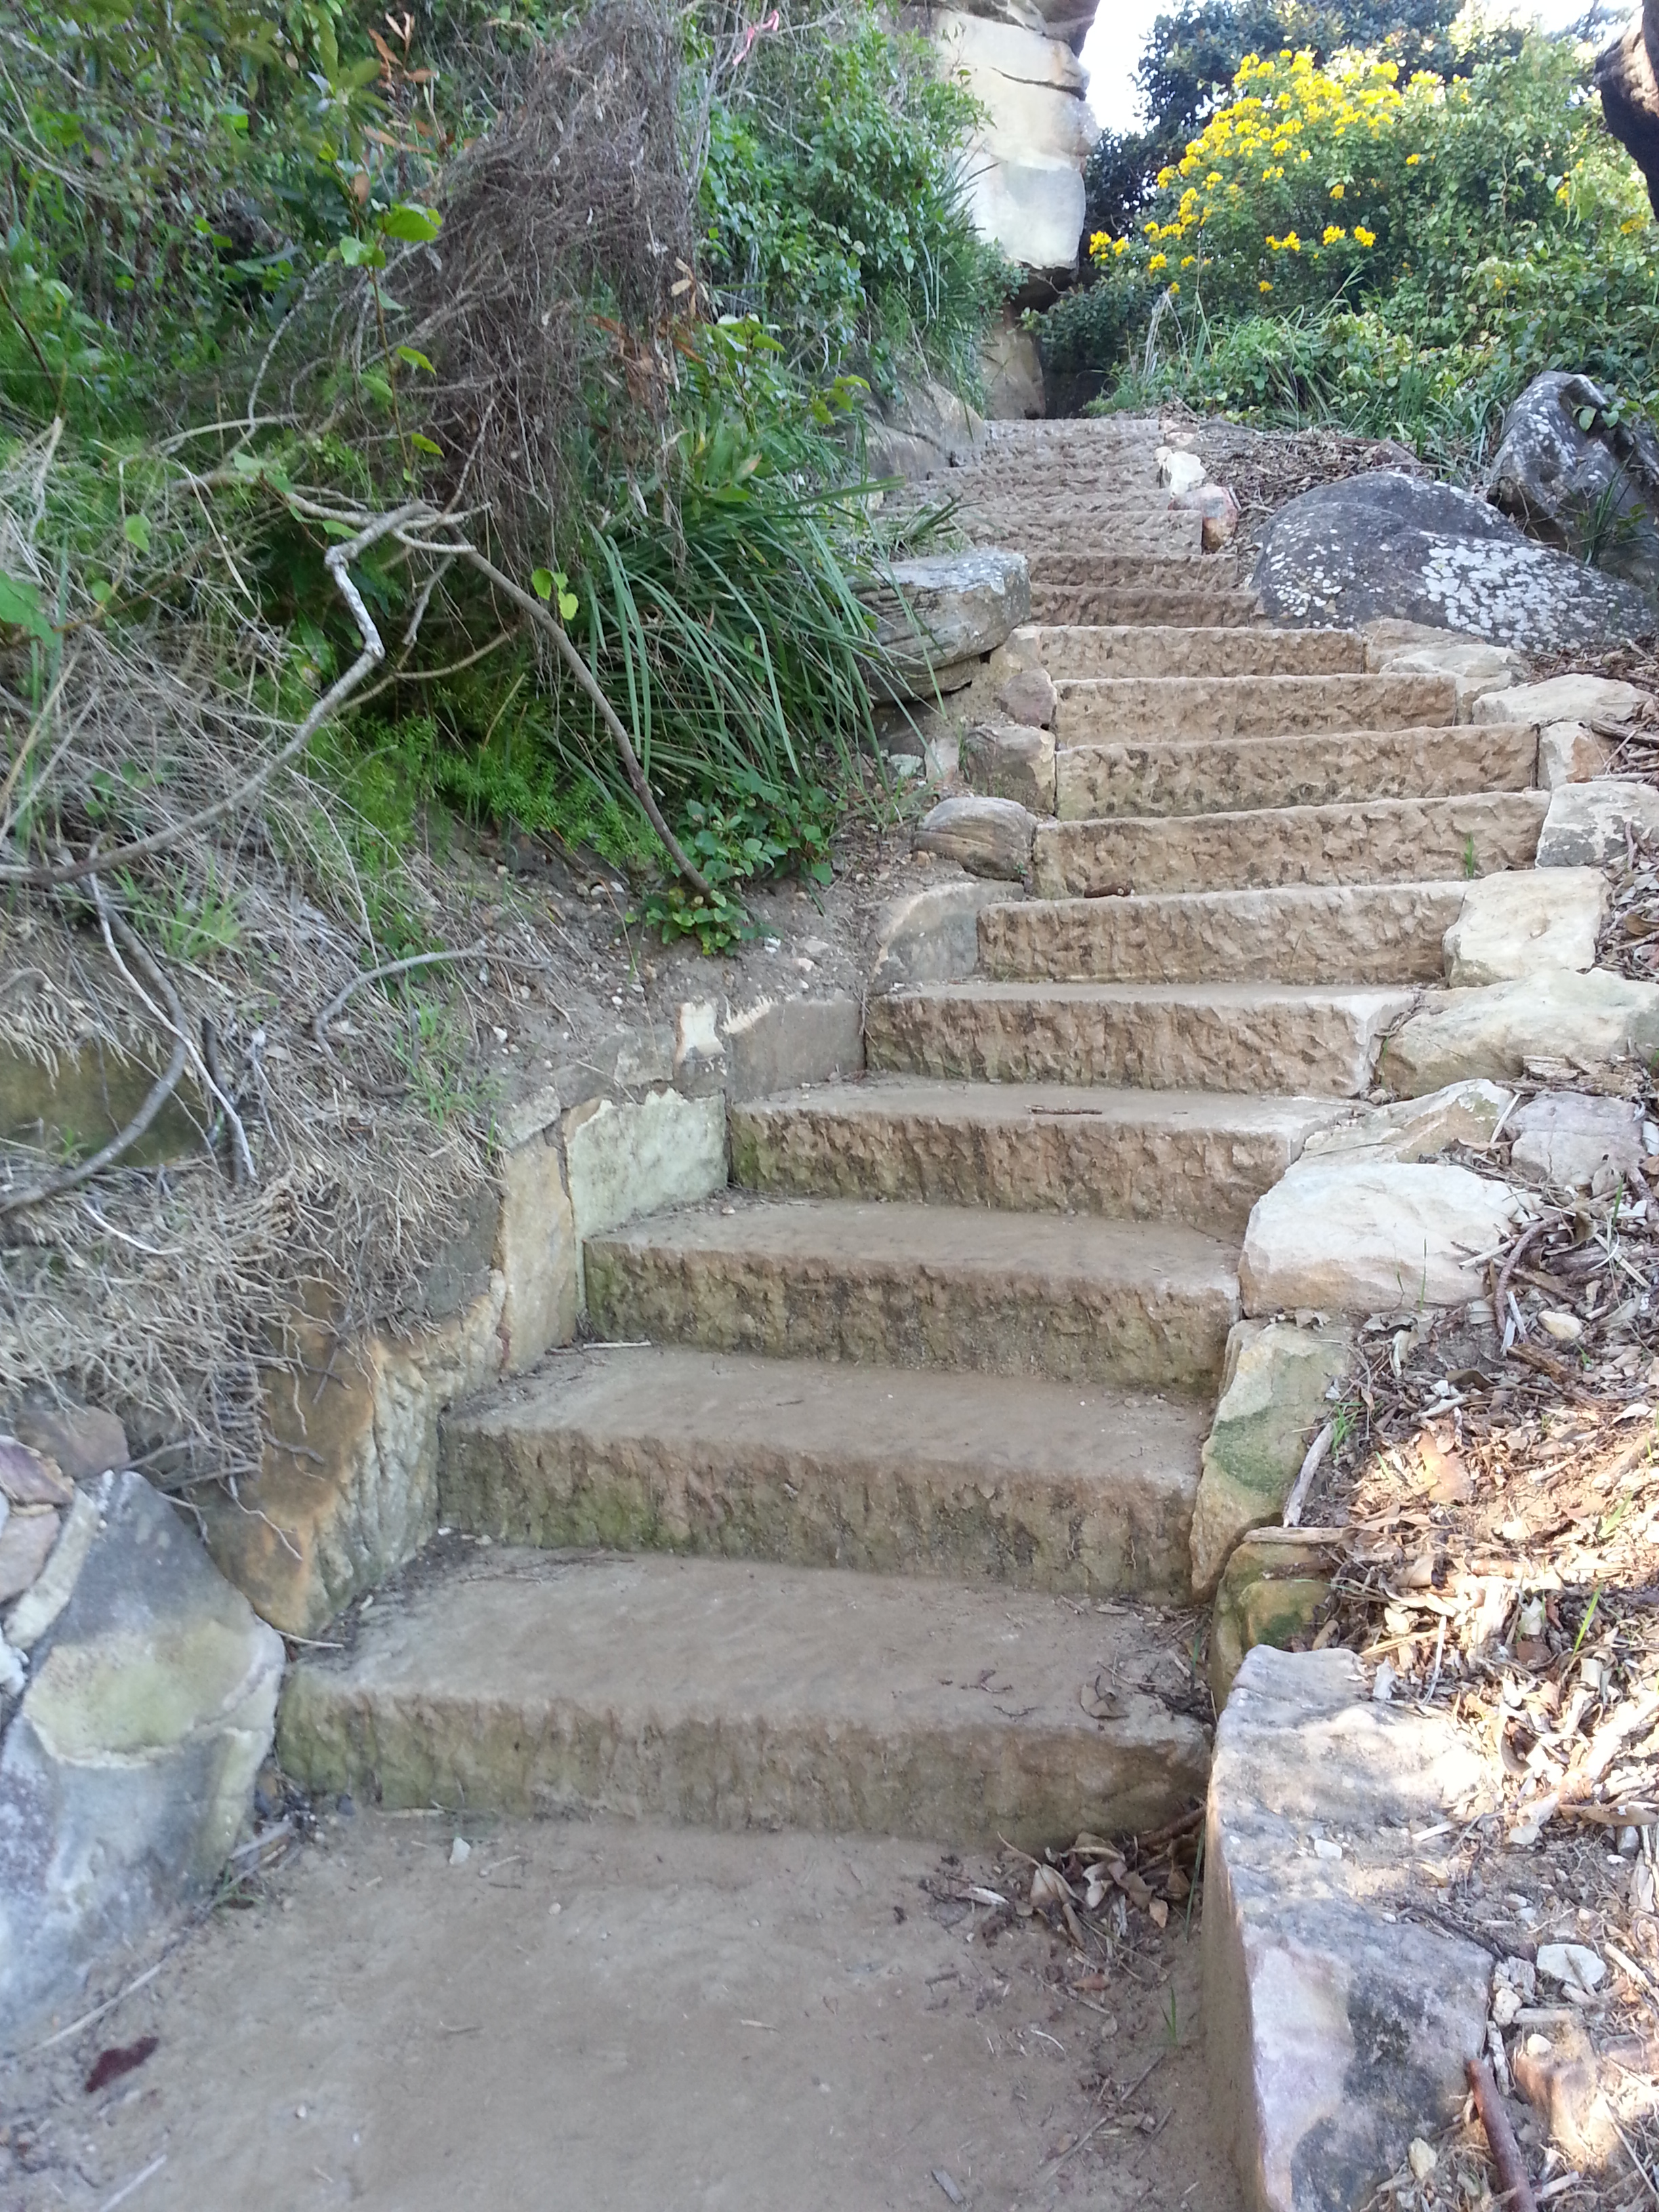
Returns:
(1570,1137)
(986,836)
(1563,466)
(127,1768)
(1555,1013)
(937,616)
(1585,825)
(1389,545)
(1274,1397)
(1371,1237)
(1271,1591)
(1522,919)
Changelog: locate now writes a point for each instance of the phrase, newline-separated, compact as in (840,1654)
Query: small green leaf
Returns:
(136,530)
(20,605)
(102,590)
(416,359)
(414,225)
(362,253)
(1586,418)
(424,445)
(541,582)
(377,386)
(568,605)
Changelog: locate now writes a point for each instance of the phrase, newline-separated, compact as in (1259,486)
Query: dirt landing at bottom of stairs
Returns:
(589,2016)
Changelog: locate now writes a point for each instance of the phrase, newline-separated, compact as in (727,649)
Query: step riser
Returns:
(1127,1533)
(1111,607)
(1104,571)
(1370,934)
(1390,840)
(1293,1050)
(1142,708)
(1159,650)
(1051,1163)
(989,1320)
(1227,774)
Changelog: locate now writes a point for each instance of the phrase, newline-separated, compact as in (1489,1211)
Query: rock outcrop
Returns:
(1575,474)
(1025,168)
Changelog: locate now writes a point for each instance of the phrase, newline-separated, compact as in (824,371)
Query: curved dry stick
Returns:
(319,1022)
(68,1178)
(589,684)
(374,651)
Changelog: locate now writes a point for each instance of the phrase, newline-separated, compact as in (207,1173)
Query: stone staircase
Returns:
(871,1510)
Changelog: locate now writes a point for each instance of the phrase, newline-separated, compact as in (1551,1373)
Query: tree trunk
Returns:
(1627,78)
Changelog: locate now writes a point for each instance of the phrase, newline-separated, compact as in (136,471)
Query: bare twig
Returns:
(118,1147)
(1304,1483)
(1515,2184)
(319,1021)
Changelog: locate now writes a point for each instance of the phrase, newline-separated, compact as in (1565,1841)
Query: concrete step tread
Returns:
(1240,997)
(815,1463)
(732,1694)
(1152,707)
(1133,606)
(820,1234)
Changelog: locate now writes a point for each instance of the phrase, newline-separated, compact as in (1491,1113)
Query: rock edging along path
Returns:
(914,1462)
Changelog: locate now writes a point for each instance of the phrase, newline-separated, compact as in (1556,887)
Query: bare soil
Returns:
(601,2015)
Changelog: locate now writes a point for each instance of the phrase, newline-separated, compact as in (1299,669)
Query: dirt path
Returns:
(619,2015)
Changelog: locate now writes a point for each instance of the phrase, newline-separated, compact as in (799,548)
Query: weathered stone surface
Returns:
(1571,753)
(734,1696)
(1217,509)
(1162,650)
(87,1095)
(1555,1013)
(1525,918)
(1203,1158)
(1179,471)
(1372,840)
(1474,667)
(921,429)
(1371,1237)
(1028,697)
(1411,1129)
(535,1253)
(1300,933)
(27,1478)
(127,1768)
(1569,1138)
(933,936)
(26,1537)
(1274,1398)
(1143,1306)
(1389,545)
(1585,825)
(1336,2029)
(1560,479)
(777,1043)
(867,1469)
(39,1605)
(1093,708)
(937,615)
(1271,1591)
(986,836)
(1010,762)
(1010,368)
(1291,1040)
(642,1155)
(81,1441)
(1025,167)
(1563,699)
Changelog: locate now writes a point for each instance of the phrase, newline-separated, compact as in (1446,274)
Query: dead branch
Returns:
(1515,2184)
(117,1149)
(319,1022)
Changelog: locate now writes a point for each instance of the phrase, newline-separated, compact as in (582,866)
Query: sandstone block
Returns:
(1216,510)
(1274,1398)
(933,936)
(1569,1139)
(1554,1013)
(28,1477)
(535,1253)
(1337,2029)
(1571,753)
(1008,761)
(27,1534)
(1585,825)
(1180,471)
(778,1044)
(642,1155)
(1370,1238)
(1564,699)
(986,836)
(937,615)
(127,1768)
(1521,920)
(1270,1590)
(1409,1130)
(81,1441)
(1029,696)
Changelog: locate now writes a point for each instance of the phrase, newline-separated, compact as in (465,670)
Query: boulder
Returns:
(1274,1398)
(1521,920)
(1571,753)
(1337,2026)
(1024,168)
(932,936)
(1010,368)
(1585,825)
(986,836)
(1179,471)
(1218,511)
(1009,761)
(128,1768)
(1270,1593)
(1570,1137)
(1627,78)
(937,616)
(1029,696)
(81,1441)
(27,1534)
(1410,1129)
(1564,699)
(1388,544)
(1555,1013)
(923,428)
(1371,1237)
(1574,477)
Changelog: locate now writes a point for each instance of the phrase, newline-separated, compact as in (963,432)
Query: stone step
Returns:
(718,1693)
(1214,775)
(1164,649)
(1075,1299)
(1372,840)
(1144,708)
(1107,571)
(1114,606)
(1203,1158)
(1294,1039)
(1299,933)
(884,1470)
